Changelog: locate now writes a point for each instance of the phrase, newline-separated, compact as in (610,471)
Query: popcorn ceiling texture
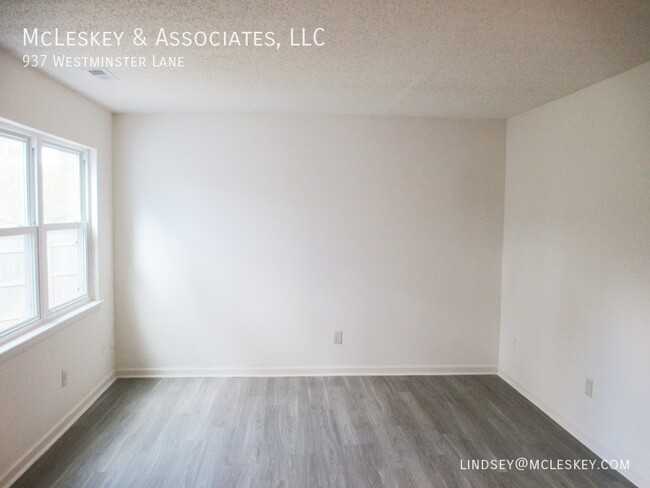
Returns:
(445,58)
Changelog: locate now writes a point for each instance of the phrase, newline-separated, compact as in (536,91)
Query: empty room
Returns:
(304,244)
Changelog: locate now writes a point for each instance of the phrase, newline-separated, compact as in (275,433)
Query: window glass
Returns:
(13,154)
(17,280)
(66,265)
(61,185)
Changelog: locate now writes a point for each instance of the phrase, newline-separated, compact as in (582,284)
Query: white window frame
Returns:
(38,229)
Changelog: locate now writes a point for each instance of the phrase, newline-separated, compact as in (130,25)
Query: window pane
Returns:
(13,183)
(61,185)
(66,265)
(17,281)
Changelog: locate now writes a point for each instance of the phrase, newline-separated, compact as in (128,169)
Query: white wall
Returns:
(576,263)
(245,241)
(32,401)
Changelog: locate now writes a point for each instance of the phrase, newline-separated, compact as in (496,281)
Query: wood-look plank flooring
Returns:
(310,432)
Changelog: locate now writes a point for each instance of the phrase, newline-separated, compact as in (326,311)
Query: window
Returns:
(44,228)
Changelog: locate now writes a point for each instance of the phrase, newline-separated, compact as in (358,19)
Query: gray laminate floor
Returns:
(310,432)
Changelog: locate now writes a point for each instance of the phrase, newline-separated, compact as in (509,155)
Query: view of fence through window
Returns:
(16,292)
(16,304)
(62,203)
(63,260)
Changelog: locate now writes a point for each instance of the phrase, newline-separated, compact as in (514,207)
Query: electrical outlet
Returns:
(64,377)
(338,337)
(589,387)
(514,342)
(112,343)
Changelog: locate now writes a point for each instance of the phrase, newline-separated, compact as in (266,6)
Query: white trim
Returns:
(22,131)
(18,231)
(41,245)
(9,130)
(33,336)
(633,475)
(304,371)
(64,226)
(93,227)
(65,306)
(45,442)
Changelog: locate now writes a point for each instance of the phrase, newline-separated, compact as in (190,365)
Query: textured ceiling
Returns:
(447,58)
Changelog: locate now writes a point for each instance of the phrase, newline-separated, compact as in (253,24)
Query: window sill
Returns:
(29,339)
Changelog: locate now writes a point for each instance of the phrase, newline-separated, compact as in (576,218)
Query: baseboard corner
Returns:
(45,442)
(633,475)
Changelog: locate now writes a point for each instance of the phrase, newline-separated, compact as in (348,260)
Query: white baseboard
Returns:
(54,434)
(633,475)
(306,371)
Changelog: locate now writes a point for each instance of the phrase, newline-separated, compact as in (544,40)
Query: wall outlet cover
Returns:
(338,337)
